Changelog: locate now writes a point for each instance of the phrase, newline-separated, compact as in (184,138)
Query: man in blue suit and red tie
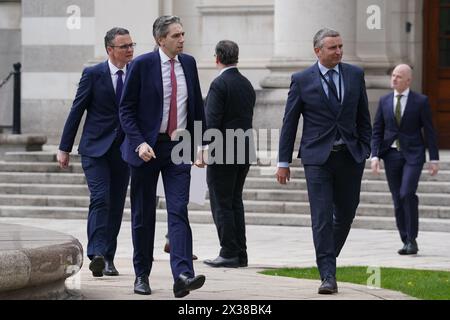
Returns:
(398,140)
(107,175)
(161,95)
(331,97)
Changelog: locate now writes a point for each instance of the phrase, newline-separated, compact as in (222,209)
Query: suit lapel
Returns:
(390,107)
(317,80)
(345,76)
(106,79)
(409,104)
(155,71)
(188,84)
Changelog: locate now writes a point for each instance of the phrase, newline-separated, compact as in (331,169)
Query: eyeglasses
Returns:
(125,46)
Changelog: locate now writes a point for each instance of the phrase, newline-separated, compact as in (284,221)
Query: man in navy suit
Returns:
(335,143)
(398,140)
(107,175)
(161,95)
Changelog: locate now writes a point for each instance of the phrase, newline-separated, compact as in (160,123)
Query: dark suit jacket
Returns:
(229,105)
(96,95)
(306,97)
(141,107)
(417,116)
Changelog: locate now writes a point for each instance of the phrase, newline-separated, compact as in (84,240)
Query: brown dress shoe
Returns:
(167,250)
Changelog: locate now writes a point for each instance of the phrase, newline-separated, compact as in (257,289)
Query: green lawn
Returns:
(422,284)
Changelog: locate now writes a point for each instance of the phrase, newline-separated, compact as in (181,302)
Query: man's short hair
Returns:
(322,34)
(111,35)
(161,26)
(227,52)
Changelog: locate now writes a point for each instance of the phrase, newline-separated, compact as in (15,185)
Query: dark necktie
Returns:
(119,86)
(332,91)
(332,96)
(398,110)
(172,124)
(398,117)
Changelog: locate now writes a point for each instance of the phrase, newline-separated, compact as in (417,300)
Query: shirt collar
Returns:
(164,57)
(404,93)
(324,69)
(113,69)
(226,68)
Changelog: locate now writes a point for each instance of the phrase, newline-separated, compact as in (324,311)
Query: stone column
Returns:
(295,24)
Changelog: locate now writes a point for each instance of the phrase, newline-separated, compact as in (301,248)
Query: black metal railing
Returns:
(16,100)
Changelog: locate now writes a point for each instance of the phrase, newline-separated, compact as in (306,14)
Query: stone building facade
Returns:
(55,39)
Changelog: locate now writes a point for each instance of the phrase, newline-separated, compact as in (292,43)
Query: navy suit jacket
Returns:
(417,116)
(96,95)
(320,122)
(141,107)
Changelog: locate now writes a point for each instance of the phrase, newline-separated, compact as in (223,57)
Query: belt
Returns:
(339,147)
(163,137)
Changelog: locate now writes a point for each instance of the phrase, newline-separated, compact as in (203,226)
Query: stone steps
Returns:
(385,223)
(49,156)
(251,206)
(299,172)
(71,196)
(42,177)
(64,183)
(47,169)
(33,185)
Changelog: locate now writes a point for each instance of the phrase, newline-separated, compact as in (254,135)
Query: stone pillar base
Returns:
(21,142)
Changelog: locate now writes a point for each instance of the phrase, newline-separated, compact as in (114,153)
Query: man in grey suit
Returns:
(229,110)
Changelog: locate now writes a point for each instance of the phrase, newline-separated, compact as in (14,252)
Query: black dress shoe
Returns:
(402,251)
(223,262)
(243,259)
(411,247)
(328,286)
(97,265)
(184,284)
(110,268)
(141,285)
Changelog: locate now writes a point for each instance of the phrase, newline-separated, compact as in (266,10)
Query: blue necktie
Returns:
(119,86)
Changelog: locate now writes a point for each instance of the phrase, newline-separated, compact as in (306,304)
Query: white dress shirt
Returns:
(113,69)
(182,94)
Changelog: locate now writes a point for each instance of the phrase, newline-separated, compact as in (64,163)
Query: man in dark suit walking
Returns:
(161,95)
(398,140)
(229,109)
(107,175)
(335,143)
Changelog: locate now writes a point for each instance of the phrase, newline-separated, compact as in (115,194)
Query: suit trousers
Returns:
(107,178)
(225,184)
(403,180)
(176,180)
(333,192)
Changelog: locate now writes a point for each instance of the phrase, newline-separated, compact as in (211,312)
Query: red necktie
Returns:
(172,125)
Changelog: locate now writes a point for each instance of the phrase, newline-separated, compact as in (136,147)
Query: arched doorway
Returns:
(436,64)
